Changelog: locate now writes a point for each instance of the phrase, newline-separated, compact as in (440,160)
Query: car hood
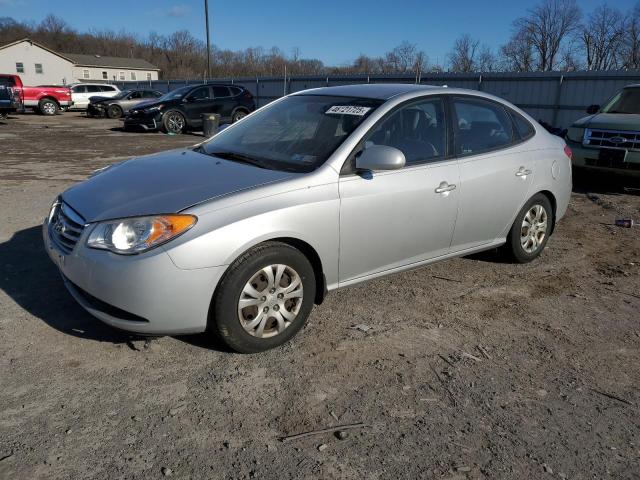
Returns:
(163,183)
(610,121)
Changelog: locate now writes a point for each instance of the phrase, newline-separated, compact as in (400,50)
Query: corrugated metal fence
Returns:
(554,97)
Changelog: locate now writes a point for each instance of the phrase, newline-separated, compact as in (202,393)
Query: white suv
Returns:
(82,92)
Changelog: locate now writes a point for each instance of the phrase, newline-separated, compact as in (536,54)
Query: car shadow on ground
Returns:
(193,133)
(585,182)
(32,281)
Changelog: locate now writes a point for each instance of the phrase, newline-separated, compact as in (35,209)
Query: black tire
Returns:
(114,111)
(225,317)
(238,115)
(3,115)
(537,239)
(173,122)
(49,107)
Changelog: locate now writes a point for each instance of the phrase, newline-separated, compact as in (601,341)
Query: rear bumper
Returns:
(588,158)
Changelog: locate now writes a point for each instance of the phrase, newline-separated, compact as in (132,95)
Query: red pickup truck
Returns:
(46,100)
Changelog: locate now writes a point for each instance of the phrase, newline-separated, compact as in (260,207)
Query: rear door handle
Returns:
(523,172)
(444,187)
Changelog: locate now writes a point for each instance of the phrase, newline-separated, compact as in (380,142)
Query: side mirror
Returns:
(592,109)
(380,157)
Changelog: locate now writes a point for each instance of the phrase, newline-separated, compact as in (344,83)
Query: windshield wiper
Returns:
(235,157)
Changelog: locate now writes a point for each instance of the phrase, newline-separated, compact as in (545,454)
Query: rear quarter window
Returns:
(523,127)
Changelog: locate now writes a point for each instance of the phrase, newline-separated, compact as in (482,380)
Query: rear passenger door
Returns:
(391,219)
(224,103)
(496,171)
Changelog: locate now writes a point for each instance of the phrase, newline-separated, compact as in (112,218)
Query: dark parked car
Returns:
(116,107)
(182,108)
(9,101)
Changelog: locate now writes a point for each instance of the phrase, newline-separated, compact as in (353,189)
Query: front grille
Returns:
(619,139)
(65,227)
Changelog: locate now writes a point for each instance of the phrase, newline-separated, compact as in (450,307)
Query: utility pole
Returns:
(206,16)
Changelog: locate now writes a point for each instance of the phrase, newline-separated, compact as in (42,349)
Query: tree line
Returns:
(553,35)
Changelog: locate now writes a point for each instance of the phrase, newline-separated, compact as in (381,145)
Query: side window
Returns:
(418,130)
(107,88)
(135,95)
(19,67)
(523,128)
(153,94)
(220,92)
(79,89)
(93,89)
(105,76)
(480,126)
(201,93)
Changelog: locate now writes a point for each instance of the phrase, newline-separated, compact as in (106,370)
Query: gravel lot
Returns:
(471,369)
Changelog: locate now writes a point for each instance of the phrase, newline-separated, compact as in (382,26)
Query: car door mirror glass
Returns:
(380,157)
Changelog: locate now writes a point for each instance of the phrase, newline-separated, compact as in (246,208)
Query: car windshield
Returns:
(627,101)
(122,94)
(297,134)
(175,94)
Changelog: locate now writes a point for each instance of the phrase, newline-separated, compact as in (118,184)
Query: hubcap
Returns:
(175,123)
(240,115)
(270,301)
(533,229)
(49,108)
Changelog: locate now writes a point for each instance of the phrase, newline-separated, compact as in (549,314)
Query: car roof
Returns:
(381,91)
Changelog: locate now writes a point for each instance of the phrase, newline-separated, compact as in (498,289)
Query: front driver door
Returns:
(198,102)
(393,219)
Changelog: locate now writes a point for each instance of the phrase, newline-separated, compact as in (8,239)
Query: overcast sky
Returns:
(334,31)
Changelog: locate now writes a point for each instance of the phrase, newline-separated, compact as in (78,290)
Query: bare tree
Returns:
(630,45)
(517,54)
(547,26)
(602,38)
(464,53)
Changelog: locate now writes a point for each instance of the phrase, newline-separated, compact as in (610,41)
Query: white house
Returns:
(38,65)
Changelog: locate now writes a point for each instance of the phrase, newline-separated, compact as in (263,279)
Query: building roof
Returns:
(99,61)
(85,60)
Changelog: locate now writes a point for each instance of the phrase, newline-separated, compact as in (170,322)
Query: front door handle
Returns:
(523,172)
(444,187)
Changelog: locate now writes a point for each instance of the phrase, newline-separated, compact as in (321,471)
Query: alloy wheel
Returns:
(270,301)
(534,228)
(175,123)
(49,108)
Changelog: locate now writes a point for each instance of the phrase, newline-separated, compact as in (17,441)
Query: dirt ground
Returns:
(472,368)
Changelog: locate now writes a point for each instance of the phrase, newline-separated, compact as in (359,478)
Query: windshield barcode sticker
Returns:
(348,110)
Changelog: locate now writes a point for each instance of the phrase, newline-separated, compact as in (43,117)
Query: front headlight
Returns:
(575,134)
(152,109)
(136,235)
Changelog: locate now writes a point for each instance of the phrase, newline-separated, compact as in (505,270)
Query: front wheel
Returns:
(48,107)
(114,111)
(264,298)
(531,229)
(173,122)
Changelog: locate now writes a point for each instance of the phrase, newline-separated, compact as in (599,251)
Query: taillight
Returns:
(568,152)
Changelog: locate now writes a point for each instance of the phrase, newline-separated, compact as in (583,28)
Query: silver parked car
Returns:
(319,190)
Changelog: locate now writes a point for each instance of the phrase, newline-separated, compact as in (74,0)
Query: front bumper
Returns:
(589,158)
(95,110)
(143,122)
(143,293)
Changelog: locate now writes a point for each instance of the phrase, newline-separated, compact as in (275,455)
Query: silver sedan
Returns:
(322,189)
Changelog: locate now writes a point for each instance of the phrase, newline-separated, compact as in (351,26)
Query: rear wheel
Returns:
(114,111)
(238,115)
(264,298)
(3,115)
(531,229)
(48,107)
(173,122)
